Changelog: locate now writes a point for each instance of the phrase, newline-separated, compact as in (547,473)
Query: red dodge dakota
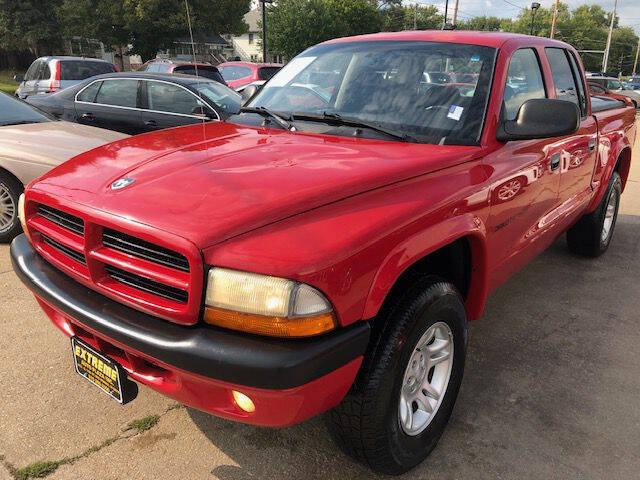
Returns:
(324,249)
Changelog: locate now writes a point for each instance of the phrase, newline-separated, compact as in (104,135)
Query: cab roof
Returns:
(486,39)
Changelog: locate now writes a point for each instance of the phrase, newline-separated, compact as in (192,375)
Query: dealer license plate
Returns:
(99,369)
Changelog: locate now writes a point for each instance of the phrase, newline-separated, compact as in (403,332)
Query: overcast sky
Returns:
(628,10)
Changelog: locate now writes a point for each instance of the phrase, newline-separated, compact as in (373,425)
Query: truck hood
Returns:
(210,182)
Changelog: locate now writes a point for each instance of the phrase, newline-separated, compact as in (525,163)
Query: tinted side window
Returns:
(79,70)
(165,97)
(562,76)
(32,71)
(122,93)
(579,82)
(89,93)
(524,81)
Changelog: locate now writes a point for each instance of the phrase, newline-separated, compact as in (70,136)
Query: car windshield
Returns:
(220,95)
(17,112)
(432,92)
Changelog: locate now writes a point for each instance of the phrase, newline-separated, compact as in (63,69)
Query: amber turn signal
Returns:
(307,326)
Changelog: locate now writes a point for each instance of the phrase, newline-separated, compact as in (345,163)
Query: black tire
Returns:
(14,188)
(366,424)
(586,237)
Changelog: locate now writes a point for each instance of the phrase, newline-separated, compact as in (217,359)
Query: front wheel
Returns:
(592,235)
(402,400)
(10,190)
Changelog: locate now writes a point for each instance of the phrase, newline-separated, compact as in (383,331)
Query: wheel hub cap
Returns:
(7,208)
(426,378)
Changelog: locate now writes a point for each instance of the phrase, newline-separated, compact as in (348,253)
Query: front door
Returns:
(524,179)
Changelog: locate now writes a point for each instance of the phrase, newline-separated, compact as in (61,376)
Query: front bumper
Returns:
(288,380)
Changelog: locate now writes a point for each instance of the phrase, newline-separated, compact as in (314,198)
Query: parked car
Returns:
(134,102)
(633,84)
(616,86)
(32,143)
(51,74)
(325,251)
(237,74)
(160,65)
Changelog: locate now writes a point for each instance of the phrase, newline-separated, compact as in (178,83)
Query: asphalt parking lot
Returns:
(551,390)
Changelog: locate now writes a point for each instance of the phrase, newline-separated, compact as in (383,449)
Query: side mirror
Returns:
(541,118)
(18,78)
(249,91)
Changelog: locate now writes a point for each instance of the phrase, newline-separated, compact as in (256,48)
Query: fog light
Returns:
(244,402)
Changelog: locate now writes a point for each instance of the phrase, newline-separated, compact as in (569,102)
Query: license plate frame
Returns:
(98,369)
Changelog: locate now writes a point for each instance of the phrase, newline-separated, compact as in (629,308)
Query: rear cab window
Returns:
(524,82)
(563,76)
(80,70)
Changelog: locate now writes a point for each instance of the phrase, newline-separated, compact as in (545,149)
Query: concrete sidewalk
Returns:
(551,391)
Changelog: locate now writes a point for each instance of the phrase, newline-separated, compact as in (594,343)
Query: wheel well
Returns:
(623,165)
(4,171)
(451,262)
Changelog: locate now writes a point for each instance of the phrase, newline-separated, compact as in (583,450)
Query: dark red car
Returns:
(206,70)
(324,249)
(237,74)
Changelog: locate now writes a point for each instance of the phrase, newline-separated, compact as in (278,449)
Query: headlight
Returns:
(22,216)
(266,305)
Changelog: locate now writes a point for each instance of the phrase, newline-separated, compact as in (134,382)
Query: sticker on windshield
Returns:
(475,58)
(455,112)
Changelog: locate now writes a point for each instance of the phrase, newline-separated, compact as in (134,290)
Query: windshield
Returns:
(16,112)
(220,95)
(433,92)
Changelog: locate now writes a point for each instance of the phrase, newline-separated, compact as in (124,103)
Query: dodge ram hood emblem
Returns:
(121,183)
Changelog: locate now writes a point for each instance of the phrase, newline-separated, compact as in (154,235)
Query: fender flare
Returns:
(620,146)
(418,246)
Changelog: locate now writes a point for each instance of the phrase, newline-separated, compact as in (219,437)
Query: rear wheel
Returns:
(10,190)
(592,235)
(402,400)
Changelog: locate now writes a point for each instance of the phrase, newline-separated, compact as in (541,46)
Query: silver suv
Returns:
(50,74)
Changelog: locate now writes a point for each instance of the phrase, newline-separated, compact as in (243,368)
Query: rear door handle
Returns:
(151,123)
(555,161)
(88,116)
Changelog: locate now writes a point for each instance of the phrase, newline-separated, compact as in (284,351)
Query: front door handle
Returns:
(151,123)
(88,116)
(555,161)
(592,145)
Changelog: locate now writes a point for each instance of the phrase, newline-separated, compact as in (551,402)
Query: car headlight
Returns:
(266,305)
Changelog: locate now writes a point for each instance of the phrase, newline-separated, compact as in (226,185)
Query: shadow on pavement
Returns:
(550,390)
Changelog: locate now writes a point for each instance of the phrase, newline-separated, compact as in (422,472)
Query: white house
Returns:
(248,46)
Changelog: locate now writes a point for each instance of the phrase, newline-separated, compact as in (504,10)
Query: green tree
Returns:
(30,24)
(294,25)
(149,25)
(486,24)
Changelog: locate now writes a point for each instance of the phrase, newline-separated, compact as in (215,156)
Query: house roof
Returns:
(252,18)
(197,38)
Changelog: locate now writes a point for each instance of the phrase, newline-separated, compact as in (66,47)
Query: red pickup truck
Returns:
(326,247)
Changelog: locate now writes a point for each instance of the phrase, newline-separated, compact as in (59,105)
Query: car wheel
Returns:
(401,401)
(592,235)
(10,190)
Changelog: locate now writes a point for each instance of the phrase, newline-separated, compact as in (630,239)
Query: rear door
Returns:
(168,104)
(577,151)
(524,181)
(111,103)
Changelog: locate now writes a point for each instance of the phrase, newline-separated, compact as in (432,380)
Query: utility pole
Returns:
(446,14)
(415,16)
(455,13)
(635,64)
(554,19)
(605,60)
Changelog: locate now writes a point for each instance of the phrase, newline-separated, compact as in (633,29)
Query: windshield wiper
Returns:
(336,119)
(268,113)
(20,122)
